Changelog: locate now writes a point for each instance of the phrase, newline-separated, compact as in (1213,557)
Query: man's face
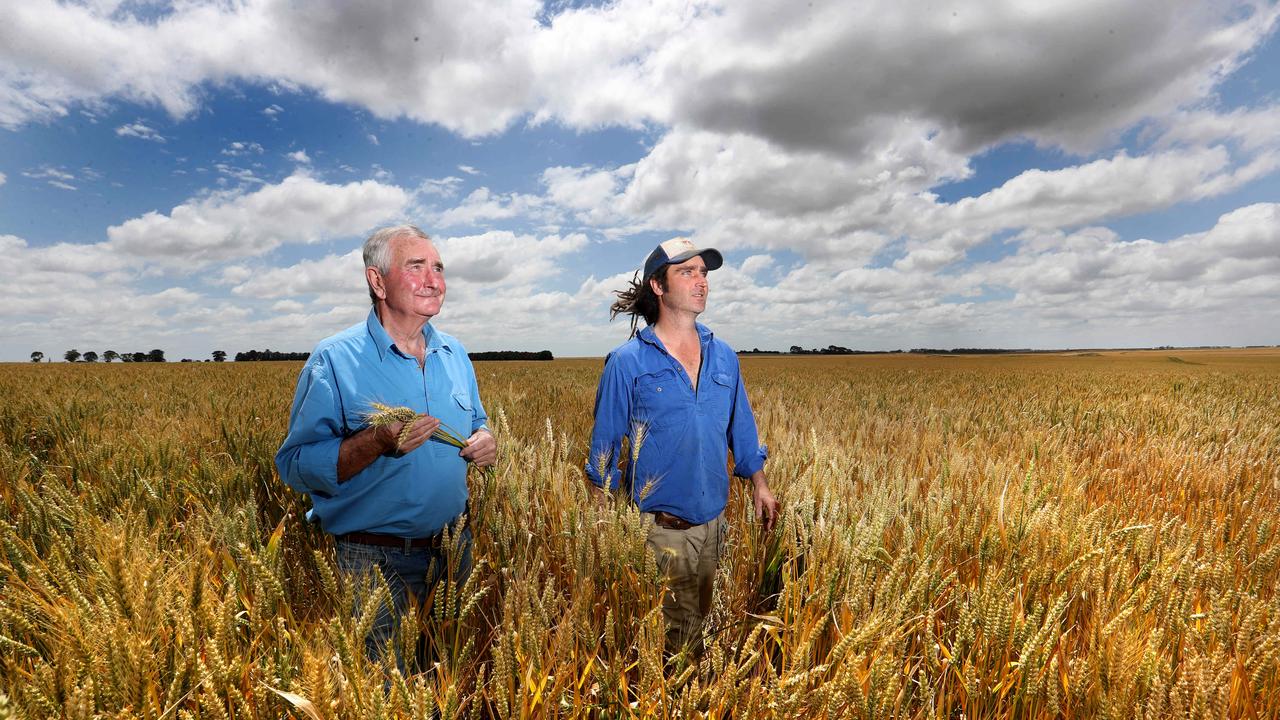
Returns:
(686,287)
(414,284)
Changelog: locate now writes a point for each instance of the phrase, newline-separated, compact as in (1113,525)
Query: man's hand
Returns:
(598,495)
(766,504)
(419,433)
(481,449)
(358,451)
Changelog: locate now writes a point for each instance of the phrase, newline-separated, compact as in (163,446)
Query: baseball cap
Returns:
(676,251)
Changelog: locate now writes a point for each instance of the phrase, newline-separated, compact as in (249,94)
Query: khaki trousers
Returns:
(687,561)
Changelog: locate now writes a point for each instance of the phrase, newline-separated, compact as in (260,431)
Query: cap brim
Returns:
(710,256)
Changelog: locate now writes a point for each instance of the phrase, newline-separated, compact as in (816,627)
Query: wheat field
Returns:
(1088,535)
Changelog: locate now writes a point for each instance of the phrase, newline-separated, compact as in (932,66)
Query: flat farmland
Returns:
(1017,536)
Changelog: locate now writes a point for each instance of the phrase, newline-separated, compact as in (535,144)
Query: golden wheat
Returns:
(1000,537)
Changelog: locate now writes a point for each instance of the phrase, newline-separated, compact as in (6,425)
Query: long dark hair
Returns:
(639,300)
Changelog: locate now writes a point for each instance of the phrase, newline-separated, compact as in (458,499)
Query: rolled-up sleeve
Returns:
(749,453)
(612,424)
(308,459)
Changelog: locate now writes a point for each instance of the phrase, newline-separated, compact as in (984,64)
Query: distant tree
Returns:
(71,355)
(90,356)
(219,355)
(796,349)
(269,354)
(110,355)
(156,355)
(511,355)
(37,356)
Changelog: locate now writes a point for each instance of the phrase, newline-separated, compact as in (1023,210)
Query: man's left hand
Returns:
(481,449)
(766,504)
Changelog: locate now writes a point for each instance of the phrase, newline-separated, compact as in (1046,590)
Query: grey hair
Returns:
(377,249)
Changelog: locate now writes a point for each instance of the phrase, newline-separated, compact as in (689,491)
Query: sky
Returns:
(197,176)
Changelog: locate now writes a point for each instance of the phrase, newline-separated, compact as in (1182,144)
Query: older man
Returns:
(388,495)
(676,394)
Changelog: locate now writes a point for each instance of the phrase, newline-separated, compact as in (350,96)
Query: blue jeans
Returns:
(410,576)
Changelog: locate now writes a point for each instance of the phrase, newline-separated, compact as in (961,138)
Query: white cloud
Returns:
(756,264)
(827,76)
(1121,185)
(332,274)
(590,193)
(234,224)
(57,177)
(52,298)
(1253,128)
(444,187)
(240,149)
(141,131)
(483,205)
(48,172)
(240,174)
(272,110)
(299,156)
(1067,74)
(468,170)
(2,178)
(736,191)
(505,257)
(373,139)
(1095,275)
(457,63)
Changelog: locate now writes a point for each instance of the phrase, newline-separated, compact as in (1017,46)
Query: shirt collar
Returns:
(382,340)
(648,335)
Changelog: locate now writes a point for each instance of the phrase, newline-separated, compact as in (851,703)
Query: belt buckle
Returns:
(671,522)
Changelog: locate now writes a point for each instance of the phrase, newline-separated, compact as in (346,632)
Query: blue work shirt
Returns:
(684,435)
(413,495)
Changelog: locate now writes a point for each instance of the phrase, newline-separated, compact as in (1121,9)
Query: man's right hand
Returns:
(358,451)
(420,431)
(598,495)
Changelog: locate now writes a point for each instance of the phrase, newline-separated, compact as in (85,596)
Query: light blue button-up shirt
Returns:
(414,495)
(681,466)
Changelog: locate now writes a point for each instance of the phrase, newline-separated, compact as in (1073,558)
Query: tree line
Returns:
(511,355)
(269,354)
(157,355)
(90,356)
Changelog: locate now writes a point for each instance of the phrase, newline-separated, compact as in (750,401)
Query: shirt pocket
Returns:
(717,396)
(657,396)
(661,407)
(455,414)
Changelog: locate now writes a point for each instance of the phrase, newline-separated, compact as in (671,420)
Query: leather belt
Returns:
(404,543)
(672,522)
(380,540)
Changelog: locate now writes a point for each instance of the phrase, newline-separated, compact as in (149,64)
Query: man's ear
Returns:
(374,278)
(656,287)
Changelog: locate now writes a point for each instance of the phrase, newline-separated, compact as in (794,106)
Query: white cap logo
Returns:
(676,246)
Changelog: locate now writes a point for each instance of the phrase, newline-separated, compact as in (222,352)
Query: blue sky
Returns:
(199,176)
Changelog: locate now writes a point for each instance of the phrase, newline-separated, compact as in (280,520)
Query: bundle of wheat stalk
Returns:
(383,415)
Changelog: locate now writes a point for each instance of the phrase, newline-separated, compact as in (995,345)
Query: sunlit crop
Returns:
(1080,536)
